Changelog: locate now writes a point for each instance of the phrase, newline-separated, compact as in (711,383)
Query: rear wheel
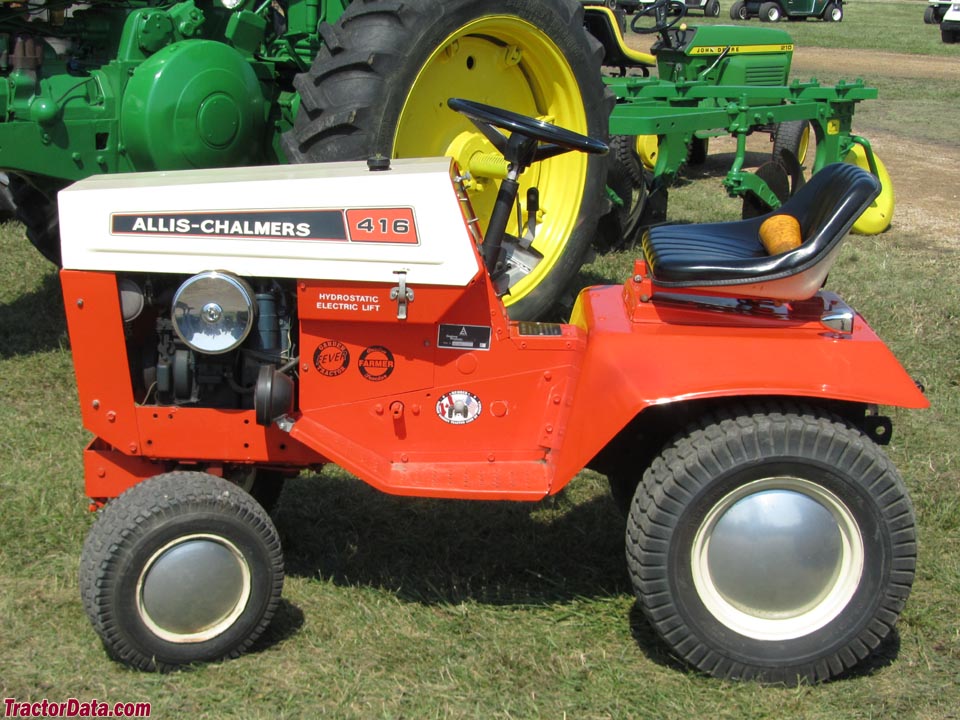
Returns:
(930,15)
(38,213)
(770,12)
(876,218)
(792,135)
(382,80)
(182,568)
(949,36)
(627,179)
(738,11)
(712,9)
(833,12)
(777,545)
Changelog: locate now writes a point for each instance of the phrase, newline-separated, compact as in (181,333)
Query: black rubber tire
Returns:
(738,11)
(8,207)
(777,178)
(129,532)
(833,12)
(712,9)
(352,97)
(930,15)
(949,36)
(39,216)
(264,486)
(698,150)
(627,178)
(789,136)
(770,12)
(768,444)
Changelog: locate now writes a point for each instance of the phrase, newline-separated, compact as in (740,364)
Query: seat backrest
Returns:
(828,205)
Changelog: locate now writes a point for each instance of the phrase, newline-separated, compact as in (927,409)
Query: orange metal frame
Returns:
(376,394)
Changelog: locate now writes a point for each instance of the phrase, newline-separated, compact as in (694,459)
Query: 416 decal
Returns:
(382,225)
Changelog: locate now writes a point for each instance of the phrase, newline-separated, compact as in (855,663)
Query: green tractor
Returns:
(137,85)
(114,86)
(724,80)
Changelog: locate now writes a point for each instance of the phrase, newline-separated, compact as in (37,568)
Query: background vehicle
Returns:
(950,24)
(935,11)
(369,332)
(774,10)
(709,8)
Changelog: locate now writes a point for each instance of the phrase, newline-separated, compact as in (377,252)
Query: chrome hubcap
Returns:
(193,588)
(777,558)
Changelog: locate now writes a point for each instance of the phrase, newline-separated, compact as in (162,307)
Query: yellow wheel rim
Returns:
(804,145)
(876,218)
(648,147)
(507,62)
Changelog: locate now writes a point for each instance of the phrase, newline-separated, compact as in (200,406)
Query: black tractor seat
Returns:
(728,258)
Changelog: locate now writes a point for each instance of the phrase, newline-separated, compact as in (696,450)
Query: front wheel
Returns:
(738,11)
(777,545)
(381,82)
(184,567)
(712,9)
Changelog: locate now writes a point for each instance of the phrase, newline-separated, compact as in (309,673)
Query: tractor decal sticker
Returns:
(464,337)
(741,49)
(394,226)
(458,407)
(376,363)
(331,358)
(320,225)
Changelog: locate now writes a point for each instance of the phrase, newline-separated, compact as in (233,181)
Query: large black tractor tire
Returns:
(949,36)
(774,543)
(181,568)
(381,81)
(38,213)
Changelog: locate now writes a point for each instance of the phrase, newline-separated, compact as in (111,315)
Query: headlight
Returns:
(231,4)
(213,312)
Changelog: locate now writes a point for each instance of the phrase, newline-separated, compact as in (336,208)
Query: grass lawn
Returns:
(400,608)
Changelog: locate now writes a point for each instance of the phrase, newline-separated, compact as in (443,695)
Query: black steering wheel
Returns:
(530,141)
(666,13)
(525,131)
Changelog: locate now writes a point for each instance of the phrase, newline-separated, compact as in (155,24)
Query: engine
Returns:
(210,340)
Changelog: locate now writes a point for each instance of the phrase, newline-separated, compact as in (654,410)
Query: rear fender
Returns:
(659,353)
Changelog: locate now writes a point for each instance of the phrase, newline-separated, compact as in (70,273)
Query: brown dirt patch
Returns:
(864,63)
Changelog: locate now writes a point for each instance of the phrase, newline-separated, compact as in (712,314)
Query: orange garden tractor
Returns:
(230,329)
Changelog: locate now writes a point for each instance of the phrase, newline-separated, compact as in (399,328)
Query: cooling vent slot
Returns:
(770,75)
